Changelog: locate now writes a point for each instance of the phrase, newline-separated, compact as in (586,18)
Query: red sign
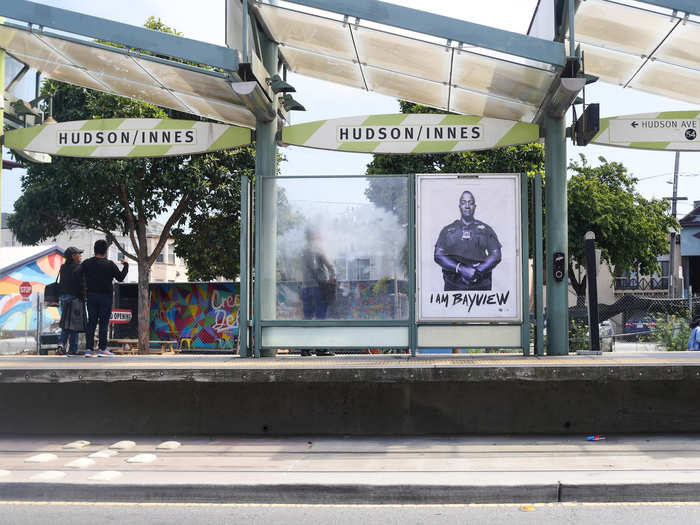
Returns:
(120,316)
(25,289)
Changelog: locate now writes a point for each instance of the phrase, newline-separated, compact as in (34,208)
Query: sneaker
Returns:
(105,353)
(88,353)
(60,350)
(321,353)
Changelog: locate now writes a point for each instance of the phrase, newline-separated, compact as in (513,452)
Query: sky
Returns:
(324,100)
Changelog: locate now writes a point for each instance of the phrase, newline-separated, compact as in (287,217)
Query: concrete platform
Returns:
(312,469)
(352,395)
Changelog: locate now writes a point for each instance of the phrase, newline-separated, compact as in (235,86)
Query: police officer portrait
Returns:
(467,250)
(468,246)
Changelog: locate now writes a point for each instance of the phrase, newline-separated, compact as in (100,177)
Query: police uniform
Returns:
(470,245)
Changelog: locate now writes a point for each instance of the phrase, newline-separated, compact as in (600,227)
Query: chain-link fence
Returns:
(637,324)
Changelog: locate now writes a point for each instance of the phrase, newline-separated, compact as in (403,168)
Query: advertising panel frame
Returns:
(514,259)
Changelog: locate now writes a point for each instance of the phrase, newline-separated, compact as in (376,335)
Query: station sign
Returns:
(410,133)
(668,131)
(127,138)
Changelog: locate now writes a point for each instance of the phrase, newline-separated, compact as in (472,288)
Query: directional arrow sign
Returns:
(669,131)
(410,133)
(122,138)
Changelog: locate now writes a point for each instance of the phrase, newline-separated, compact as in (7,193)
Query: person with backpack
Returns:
(694,339)
(71,297)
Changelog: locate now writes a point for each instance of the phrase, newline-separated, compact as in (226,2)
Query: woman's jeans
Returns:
(68,336)
(313,304)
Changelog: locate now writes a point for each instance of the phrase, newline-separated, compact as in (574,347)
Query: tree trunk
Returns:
(144,306)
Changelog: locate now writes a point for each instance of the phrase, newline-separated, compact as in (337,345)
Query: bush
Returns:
(673,333)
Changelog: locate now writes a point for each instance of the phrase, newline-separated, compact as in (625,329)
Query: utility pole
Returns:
(672,253)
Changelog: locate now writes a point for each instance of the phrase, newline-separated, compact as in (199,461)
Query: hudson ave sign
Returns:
(670,131)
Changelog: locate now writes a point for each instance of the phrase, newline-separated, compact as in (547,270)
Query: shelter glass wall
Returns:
(349,231)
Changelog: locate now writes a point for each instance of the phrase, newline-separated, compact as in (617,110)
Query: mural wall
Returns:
(200,315)
(13,310)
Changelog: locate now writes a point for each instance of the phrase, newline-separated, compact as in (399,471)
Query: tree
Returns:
(124,195)
(631,231)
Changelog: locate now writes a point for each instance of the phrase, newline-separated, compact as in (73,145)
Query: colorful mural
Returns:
(197,315)
(13,311)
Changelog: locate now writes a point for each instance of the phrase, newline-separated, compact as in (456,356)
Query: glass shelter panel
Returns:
(335,248)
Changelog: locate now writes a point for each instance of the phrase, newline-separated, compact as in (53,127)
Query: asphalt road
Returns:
(510,514)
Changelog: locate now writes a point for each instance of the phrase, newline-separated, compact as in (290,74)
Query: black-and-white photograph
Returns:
(468,247)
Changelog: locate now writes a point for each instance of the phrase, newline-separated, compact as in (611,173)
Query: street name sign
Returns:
(127,138)
(410,133)
(667,131)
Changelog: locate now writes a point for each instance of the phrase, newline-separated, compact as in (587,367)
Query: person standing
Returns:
(467,250)
(99,272)
(70,289)
(694,339)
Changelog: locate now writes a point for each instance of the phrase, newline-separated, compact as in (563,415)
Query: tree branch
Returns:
(165,234)
(130,221)
(112,239)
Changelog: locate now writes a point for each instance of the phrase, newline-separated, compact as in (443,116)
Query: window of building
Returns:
(171,254)
(160,258)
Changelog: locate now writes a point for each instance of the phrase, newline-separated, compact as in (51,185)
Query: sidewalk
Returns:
(354,470)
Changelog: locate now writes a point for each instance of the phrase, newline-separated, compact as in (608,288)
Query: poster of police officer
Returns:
(468,248)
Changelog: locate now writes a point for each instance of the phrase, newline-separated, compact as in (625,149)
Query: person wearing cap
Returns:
(70,288)
(99,272)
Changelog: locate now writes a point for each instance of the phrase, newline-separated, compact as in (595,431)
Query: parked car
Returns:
(639,324)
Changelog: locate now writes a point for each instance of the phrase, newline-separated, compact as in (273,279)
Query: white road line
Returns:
(105,475)
(142,458)
(123,445)
(80,463)
(49,475)
(81,443)
(106,453)
(42,458)
(168,445)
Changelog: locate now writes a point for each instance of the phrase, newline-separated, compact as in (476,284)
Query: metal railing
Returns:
(641,283)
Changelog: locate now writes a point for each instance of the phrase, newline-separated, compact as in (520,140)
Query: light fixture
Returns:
(290,104)
(50,120)
(278,85)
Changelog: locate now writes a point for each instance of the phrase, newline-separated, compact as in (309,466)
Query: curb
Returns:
(350,494)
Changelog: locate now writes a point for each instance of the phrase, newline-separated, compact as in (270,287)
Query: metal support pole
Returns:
(244,280)
(672,251)
(592,278)
(539,285)
(265,165)
(557,235)
(572,36)
(412,328)
(525,254)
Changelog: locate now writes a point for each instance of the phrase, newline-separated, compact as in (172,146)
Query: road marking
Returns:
(105,475)
(81,443)
(49,475)
(142,458)
(123,445)
(41,458)
(80,463)
(168,445)
(106,453)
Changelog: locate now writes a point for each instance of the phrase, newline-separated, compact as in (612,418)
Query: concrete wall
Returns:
(353,408)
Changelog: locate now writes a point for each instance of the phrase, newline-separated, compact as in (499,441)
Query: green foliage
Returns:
(672,333)
(630,230)
(578,336)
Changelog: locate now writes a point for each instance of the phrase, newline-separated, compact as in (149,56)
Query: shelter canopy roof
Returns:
(124,72)
(412,66)
(647,46)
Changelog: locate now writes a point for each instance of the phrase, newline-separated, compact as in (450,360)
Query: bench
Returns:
(130,346)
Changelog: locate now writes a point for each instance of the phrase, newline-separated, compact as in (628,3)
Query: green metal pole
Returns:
(525,249)
(537,267)
(244,281)
(265,165)
(557,235)
(413,329)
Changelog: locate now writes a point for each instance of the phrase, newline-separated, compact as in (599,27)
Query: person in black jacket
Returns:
(70,289)
(99,272)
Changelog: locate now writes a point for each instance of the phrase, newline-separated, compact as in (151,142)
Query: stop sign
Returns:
(25,289)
